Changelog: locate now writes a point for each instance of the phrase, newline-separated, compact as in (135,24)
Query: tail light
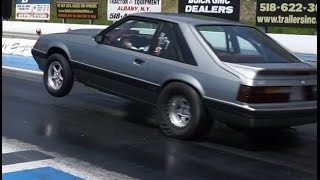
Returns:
(265,94)
(310,93)
(315,92)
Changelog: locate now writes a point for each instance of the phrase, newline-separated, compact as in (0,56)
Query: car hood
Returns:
(273,70)
(87,32)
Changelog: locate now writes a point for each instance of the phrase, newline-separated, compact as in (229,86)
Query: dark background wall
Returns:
(6,8)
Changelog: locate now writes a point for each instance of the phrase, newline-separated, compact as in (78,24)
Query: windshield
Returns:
(239,44)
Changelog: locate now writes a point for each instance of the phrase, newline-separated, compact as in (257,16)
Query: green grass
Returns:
(291,30)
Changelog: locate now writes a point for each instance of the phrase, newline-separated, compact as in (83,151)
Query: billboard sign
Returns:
(117,9)
(225,9)
(77,9)
(33,9)
(286,13)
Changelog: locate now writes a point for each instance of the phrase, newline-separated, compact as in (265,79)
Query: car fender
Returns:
(61,46)
(185,78)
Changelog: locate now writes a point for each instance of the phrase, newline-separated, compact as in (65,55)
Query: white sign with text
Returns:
(33,9)
(118,9)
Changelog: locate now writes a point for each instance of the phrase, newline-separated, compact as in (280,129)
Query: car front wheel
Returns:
(181,112)
(58,76)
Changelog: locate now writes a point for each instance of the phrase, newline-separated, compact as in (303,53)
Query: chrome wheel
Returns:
(179,111)
(55,78)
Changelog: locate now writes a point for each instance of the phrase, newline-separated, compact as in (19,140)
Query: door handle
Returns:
(138,61)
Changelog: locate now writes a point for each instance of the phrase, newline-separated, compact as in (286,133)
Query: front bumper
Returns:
(40,57)
(243,117)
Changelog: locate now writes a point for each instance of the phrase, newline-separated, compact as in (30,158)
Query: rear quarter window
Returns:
(240,44)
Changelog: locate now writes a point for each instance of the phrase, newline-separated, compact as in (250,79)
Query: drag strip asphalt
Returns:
(122,136)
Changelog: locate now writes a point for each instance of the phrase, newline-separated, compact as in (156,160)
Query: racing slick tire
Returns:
(58,77)
(182,114)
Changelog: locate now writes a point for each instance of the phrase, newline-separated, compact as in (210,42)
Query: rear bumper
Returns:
(40,57)
(243,117)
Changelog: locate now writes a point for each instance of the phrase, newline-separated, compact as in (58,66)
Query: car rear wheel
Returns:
(58,76)
(181,112)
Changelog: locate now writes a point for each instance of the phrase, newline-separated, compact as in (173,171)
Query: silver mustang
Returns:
(195,69)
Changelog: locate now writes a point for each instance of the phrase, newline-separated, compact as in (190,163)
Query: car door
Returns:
(168,55)
(115,61)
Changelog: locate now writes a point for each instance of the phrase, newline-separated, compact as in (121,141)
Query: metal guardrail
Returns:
(20,35)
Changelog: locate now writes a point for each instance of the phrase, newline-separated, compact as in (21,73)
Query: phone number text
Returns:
(288,7)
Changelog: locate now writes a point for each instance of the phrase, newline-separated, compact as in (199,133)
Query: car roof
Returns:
(186,18)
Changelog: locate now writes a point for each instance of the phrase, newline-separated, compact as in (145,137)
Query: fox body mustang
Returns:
(195,69)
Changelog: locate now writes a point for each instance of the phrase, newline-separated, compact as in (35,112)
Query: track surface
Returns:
(121,136)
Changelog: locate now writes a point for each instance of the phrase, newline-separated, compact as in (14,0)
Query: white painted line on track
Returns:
(23,70)
(60,162)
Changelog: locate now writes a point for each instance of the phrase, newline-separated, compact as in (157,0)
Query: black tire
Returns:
(66,74)
(199,123)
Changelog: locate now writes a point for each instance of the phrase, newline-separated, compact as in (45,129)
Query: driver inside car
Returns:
(127,44)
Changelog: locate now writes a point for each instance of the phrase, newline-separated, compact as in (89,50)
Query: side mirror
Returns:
(98,39)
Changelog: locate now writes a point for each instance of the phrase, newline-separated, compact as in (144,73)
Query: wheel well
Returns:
(55,50)
(180,81)
(189,84)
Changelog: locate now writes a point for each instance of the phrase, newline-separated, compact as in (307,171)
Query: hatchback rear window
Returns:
(240,44)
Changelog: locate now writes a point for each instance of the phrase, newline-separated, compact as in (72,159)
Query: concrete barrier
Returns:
(304,44)
(16,46)
(46,28)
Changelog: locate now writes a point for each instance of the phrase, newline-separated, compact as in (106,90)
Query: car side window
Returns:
(134,35)
(217,38)
(166,45)
(230,45)
(246,47)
